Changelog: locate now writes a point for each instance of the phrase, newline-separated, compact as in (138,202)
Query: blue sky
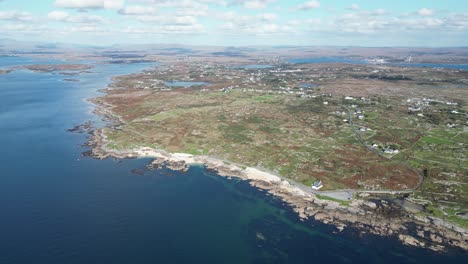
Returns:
(238,22)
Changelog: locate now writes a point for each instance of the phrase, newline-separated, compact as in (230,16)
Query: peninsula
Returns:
(388,141)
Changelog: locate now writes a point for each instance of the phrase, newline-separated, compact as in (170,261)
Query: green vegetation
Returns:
(302,134)
(324,197)
(263,98)
(166,115)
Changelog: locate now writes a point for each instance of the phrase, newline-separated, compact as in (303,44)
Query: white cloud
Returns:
(267,16)
(23,28)
(425,12)
(165,29)
(16,16)
(169,20)
(309,5)
(457,22)
(81,18)
(90,4)
(86,28)
(180,4)
(255,24)
(184,17)
(137,10)
(192,12)
(182,29)
(380,11)
(359,22)
(253,4)
(294,23)
(58,15)
(380,22)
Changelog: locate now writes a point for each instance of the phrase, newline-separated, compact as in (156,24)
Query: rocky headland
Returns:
(375,216)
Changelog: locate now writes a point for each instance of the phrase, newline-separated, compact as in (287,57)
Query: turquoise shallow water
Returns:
(59,207)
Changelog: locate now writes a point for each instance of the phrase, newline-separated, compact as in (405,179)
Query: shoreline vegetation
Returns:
(64,69)
(387,141)
(371,216)
(375,217)
(56,67)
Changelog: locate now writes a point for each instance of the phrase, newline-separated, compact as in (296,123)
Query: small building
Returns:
(317,185)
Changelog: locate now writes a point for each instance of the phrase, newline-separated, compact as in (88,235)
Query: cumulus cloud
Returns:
(264,24)
(87,28)
(137,10)
(185,17)
(90,4)
(81,18)
(309,5)
(252,4)
(29,28)
(380,11)
(165,29)
(16,16)
(57,15)
(364,22)
(192,12)
(425,12)
(179,4)
(379,22)
(267,16)
(169,20)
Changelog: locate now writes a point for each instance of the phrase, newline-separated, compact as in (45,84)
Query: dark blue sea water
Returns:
(59,207)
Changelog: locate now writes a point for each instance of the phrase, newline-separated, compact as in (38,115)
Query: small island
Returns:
(56,67)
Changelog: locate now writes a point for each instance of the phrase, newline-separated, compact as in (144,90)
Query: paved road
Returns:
(345,195)
(358,136)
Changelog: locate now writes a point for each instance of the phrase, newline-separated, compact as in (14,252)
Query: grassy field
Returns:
(303,135)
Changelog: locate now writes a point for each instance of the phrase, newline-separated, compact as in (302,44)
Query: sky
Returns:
(238,22)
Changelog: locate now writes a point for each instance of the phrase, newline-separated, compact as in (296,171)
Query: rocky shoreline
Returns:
(374,216)
(369,216)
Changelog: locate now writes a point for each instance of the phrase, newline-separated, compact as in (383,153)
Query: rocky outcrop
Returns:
(409,240)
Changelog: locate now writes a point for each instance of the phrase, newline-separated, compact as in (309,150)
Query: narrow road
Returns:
(358,136)
(343,194)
